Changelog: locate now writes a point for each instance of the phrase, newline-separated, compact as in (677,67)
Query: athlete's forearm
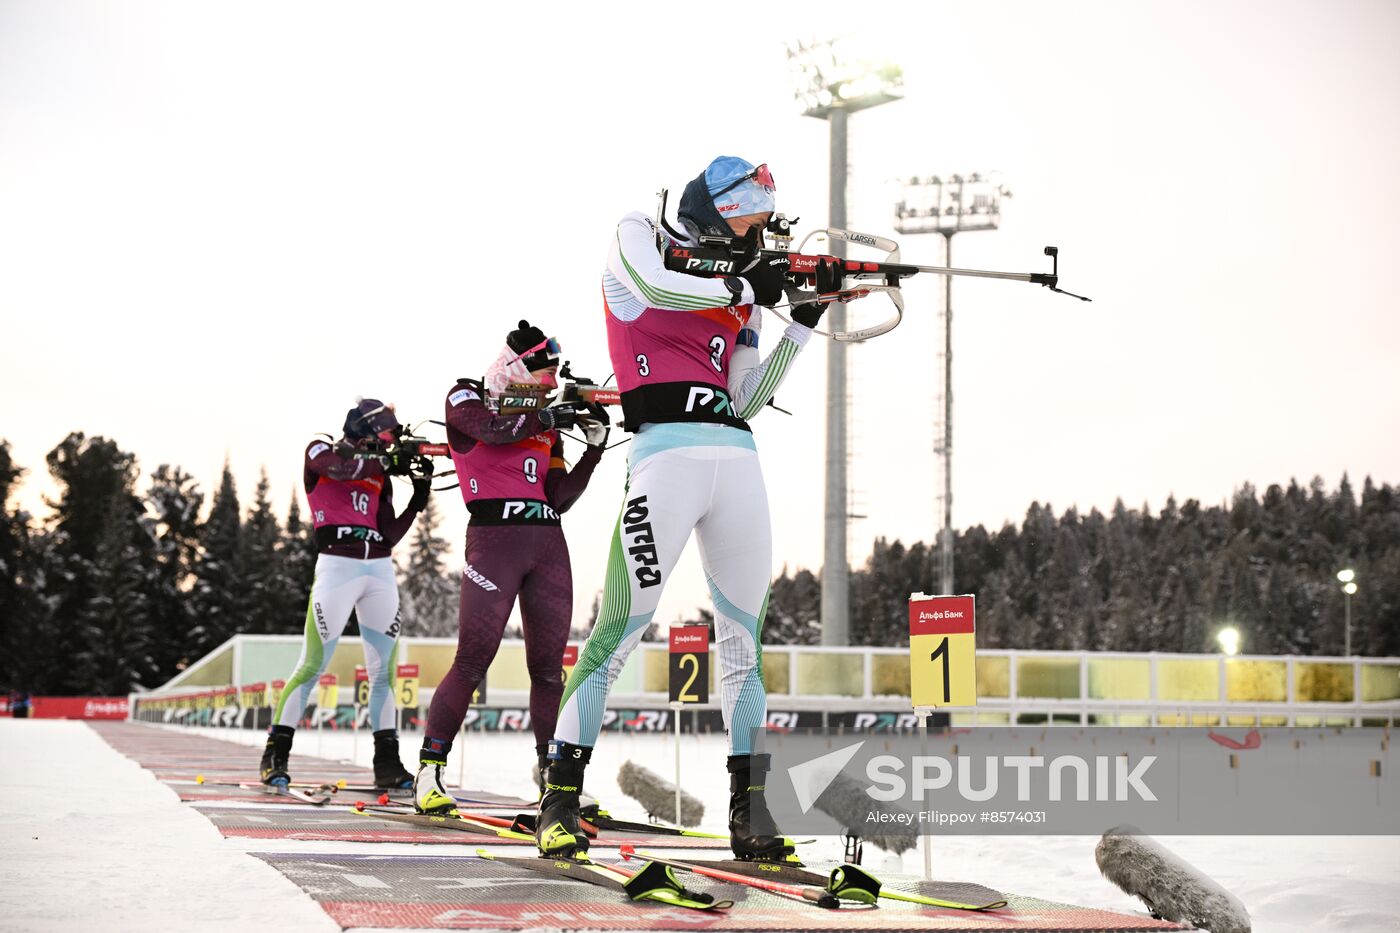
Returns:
(475,420)
(393,527)
(764,379)
(635,262)
(563,487)
(323,460)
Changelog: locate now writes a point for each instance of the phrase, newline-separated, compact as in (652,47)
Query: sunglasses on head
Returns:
(759,174)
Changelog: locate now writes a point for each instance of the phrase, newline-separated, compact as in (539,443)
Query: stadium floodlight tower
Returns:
(958,204)
(835,79)
(1348,581)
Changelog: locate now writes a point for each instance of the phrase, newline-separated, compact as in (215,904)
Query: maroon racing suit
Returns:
(342,490)
(515,548)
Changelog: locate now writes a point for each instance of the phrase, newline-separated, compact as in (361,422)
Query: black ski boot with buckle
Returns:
(752,833)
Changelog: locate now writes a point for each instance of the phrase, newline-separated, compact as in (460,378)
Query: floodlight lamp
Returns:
(1349,589)
(1229,640)
(1347,575)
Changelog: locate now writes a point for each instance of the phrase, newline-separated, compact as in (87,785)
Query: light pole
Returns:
(1348,580)
(833,81)
(932,205)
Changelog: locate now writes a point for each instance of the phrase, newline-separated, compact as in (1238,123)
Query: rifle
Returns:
(724,256)
(519,398)
(410,453)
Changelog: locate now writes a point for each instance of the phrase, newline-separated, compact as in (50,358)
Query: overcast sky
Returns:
(221,223)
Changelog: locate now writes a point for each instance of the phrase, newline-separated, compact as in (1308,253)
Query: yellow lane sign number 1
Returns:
(942,651)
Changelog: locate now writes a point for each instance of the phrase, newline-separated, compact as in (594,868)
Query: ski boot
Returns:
(389,772)
(429,796)
(752,833)
(278,749)
(557,831)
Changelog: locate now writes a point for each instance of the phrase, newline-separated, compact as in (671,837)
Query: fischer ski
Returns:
(819,896)
(848,882)
(455,821)
(653,882)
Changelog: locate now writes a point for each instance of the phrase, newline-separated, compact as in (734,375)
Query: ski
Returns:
(309,786)
(653,882)
(597,820)
(291,793)
(455,821)
(848,882)
(819,896)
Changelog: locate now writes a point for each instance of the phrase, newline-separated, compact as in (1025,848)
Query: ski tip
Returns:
(341,784)
(199,779)
(360,805)
(482,853)
(628,850)
(384,798)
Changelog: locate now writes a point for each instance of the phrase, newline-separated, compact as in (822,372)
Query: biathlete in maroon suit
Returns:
(516,484)
(352,507)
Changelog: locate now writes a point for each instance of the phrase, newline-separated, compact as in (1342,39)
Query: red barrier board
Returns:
(79,708)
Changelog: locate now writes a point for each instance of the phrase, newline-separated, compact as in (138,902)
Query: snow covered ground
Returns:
(77,818)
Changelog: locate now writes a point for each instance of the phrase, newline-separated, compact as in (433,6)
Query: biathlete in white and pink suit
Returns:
(685,352)
(351,496)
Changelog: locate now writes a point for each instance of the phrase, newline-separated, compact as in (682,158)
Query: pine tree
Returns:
(428,594)
(794,610)
(261,566)
(21,582)
(97,628)
(296,571)
(218,594)
(116,627)
(173,502)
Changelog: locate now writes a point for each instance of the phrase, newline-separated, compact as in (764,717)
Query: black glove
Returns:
(422,488)
(767,278)
(397,462)
(828,279)
(560,417)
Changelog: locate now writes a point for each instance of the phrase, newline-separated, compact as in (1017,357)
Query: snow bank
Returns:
(89,841)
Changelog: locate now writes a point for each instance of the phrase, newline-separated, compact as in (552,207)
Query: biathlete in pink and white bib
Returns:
(351,496)
(516,484)
(685,353)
